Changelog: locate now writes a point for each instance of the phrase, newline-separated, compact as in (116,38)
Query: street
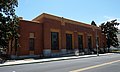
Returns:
(108,63)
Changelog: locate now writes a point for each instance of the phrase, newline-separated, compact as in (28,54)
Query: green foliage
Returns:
(8,23)
(93,23)
(110,31)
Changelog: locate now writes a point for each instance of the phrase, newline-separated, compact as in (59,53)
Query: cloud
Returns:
(108,18)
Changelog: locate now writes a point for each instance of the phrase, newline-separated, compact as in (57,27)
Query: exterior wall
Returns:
(75,30)
(26,28)
(42,28)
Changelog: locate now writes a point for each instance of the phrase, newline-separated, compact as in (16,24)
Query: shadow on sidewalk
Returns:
(2,61)
(3,58)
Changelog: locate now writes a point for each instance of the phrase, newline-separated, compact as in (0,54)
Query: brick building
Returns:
(49,35)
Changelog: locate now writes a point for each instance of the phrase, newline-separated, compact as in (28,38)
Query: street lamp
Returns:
(97,50)
(97,44)
(94,28)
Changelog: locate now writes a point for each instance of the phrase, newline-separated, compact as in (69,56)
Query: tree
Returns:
(93,23)
(8,25)
(110,31)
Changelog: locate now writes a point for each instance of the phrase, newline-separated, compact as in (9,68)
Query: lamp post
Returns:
(94,28)
(97,44)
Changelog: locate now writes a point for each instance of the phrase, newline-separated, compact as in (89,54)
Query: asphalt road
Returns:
(109,63)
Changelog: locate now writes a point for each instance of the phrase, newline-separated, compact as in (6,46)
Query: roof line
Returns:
(46,15)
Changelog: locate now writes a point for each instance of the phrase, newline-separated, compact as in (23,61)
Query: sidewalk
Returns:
(31,61)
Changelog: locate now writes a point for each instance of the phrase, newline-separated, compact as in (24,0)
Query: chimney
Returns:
(20,18)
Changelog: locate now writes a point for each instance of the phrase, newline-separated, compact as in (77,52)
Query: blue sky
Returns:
(79,10)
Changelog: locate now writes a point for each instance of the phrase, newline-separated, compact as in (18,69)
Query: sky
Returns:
(79,10)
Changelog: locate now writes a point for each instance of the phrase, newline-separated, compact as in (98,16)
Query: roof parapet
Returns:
(46,15)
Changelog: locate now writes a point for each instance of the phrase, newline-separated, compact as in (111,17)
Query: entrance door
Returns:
(80,43)
(54,41)
(89,43)
(31,46)
(69,41)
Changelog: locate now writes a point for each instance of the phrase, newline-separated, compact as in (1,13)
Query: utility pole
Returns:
(95,30)
(97,44)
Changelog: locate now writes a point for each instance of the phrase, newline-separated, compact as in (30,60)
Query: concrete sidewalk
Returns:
(31,61)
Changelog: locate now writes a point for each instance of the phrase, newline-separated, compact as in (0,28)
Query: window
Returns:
(80,42)
(31,35)
(31,44)
(31,41)
(54,41)
(89,42)
(68,41)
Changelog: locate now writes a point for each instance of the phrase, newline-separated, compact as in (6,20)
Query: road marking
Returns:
(95,66)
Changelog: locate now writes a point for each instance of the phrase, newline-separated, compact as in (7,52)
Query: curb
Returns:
(77,57)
